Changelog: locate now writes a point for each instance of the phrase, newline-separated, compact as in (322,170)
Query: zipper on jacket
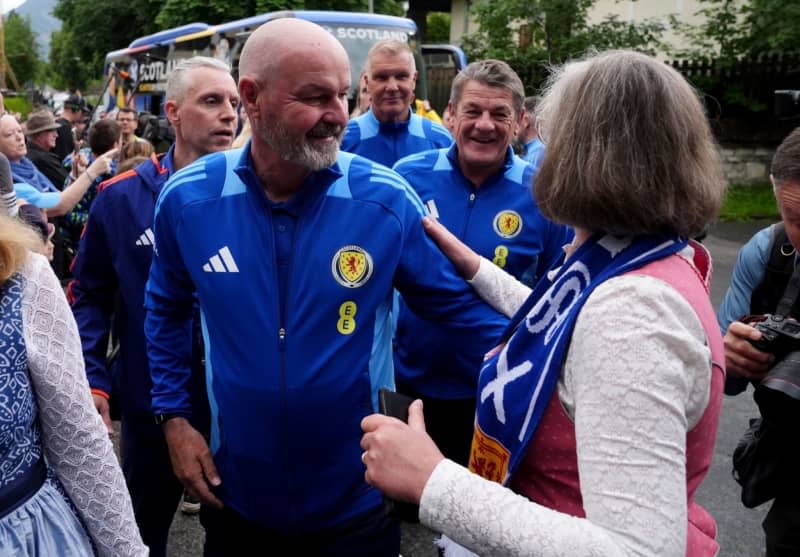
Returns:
(470,204)
(282,310)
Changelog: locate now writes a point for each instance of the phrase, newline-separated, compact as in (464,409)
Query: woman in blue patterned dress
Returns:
(61,488)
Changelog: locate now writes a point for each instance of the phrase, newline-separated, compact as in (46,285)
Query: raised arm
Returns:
(496,287)
(76,190)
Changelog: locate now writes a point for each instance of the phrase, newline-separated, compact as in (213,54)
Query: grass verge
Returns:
(747,202)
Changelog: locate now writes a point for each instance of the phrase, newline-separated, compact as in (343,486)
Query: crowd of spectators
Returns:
(521,268)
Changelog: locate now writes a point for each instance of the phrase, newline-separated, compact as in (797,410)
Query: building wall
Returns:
(626,10)
(685,10)
(746,164)
(460,22)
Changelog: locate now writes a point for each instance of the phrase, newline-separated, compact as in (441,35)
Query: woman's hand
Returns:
(102,164)
(399,457)
(463,258)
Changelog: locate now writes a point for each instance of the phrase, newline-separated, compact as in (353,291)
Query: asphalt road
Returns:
(739,529)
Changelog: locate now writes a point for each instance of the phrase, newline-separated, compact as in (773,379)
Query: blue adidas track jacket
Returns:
(390,142)
(500,221)
(297,345)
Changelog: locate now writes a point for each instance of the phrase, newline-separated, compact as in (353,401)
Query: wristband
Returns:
(89,174)
(160,419)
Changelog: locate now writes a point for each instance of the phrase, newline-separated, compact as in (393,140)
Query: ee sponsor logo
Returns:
(347,313)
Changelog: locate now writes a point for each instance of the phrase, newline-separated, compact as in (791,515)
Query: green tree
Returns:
(178,12)
(387,7)
(730,29)
(722,33)
(66,69)
(438,27)
(533,34)
(90,31)
(733,31)
(21,48)
(774,25)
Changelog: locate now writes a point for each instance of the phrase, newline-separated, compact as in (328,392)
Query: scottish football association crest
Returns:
(507,224)
(351,266)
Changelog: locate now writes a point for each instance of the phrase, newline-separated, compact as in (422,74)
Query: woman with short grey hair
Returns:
(599,407)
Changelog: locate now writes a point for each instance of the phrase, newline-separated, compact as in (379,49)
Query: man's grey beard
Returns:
(298,149)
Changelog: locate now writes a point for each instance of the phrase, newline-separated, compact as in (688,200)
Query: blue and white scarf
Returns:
(25,171)
(517,380)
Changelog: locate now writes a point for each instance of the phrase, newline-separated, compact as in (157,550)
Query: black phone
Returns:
(391,403)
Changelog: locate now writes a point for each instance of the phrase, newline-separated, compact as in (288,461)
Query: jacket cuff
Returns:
(100,392)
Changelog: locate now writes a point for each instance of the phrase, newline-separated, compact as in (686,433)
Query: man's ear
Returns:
(172,110)
(521,122)
(248,92)
(525,120)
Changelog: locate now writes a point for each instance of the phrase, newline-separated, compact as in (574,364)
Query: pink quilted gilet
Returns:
(548,474)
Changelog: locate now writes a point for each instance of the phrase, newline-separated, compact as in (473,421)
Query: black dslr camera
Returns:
(158,129)
(779,334)
(778,394)
(159,132)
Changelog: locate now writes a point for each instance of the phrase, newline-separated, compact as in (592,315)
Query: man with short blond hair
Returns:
(110,272)
(390,130)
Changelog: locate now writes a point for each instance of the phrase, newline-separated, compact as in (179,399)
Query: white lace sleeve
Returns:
(75,439)
(636,378)
(499,289)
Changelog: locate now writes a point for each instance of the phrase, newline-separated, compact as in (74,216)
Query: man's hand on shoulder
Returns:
(742,359)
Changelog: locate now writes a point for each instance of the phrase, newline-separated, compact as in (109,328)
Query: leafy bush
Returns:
(19,105)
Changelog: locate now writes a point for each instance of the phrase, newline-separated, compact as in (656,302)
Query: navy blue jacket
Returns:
(110,271)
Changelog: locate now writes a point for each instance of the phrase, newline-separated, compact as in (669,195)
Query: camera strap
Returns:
(790,294)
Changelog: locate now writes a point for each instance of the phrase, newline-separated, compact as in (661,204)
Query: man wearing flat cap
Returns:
(41,130)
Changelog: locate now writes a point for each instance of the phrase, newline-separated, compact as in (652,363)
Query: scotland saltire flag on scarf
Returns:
(518,378)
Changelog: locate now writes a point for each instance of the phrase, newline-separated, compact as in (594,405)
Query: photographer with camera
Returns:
(762,348)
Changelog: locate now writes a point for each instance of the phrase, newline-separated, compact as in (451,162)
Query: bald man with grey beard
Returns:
(295,280)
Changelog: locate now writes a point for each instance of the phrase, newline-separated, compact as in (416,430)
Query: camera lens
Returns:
(778,394)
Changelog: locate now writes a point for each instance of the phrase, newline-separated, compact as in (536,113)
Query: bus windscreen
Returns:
(358,39)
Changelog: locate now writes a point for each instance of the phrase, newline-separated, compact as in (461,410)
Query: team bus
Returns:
(137,75)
